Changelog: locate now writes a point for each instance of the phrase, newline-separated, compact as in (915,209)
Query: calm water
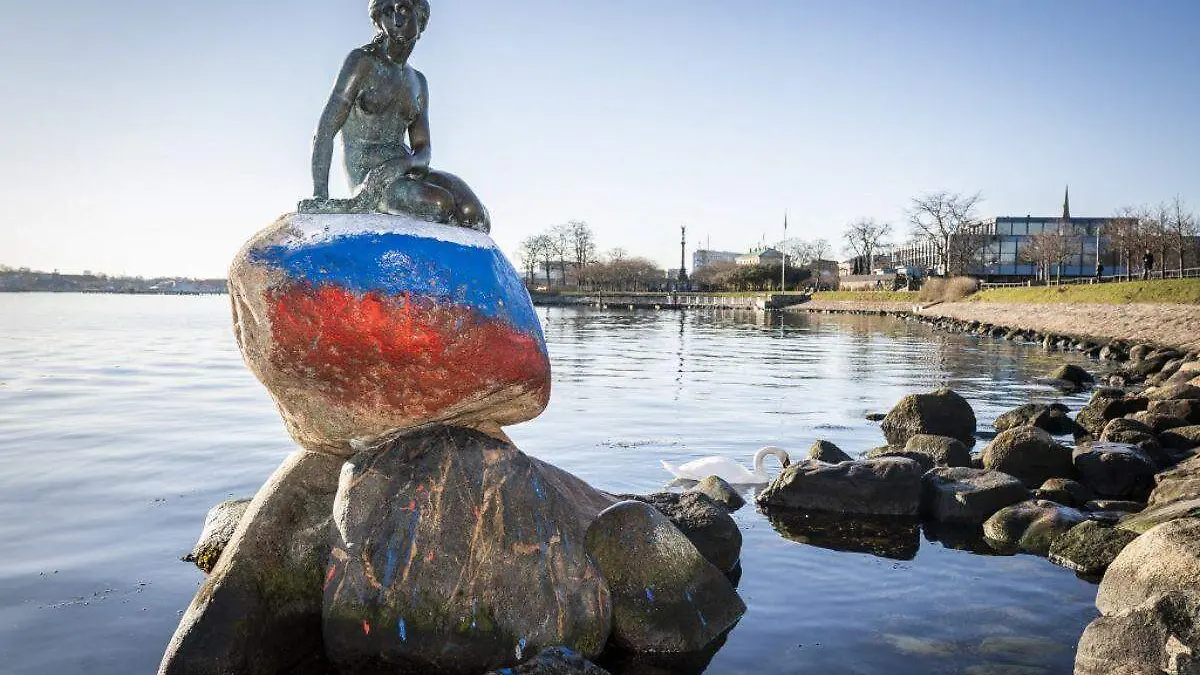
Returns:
(123,419)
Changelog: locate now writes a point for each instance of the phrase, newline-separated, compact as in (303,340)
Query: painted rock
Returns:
(362,326)
(458,553)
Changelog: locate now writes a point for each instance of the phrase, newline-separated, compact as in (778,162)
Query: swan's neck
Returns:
(760,458)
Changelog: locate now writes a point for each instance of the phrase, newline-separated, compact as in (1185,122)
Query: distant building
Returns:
(825,273)
(705,258)
(996,249)
(765,256)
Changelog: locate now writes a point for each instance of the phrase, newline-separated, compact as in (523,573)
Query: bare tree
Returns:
(798,251)
(865,237)
(820,249)
(943,219)
(1180,228)
(531,254)
(1051,247)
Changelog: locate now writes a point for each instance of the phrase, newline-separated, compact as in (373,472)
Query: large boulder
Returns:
(890,486)
(1158,423)
(704,522)
(219,525)
(259,612)
(1031,526)
(1050,418)
(1181,438)
(666,597)
(1178,484)
(824,451)
(1175,392)
(1186,410)
(1159,636)
(1090,547)
(968,495)
(458,553)
(1167,558)
(1030,454)
(364,325)
(941,413)
(1115,469)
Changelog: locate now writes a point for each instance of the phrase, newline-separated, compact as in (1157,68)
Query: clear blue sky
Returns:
(155,137)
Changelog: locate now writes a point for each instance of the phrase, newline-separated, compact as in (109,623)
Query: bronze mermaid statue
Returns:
(380,105)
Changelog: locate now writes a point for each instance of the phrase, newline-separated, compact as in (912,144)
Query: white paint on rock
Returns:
(311,229)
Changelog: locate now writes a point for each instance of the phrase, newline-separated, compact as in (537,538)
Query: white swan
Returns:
(728,469)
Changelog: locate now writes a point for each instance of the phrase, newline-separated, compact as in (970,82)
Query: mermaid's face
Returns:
(400,22)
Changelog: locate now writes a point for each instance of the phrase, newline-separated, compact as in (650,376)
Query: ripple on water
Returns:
(123,419)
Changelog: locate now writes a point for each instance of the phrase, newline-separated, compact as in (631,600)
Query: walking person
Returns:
(1147,265)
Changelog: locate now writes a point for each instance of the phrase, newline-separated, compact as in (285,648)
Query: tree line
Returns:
(570,250)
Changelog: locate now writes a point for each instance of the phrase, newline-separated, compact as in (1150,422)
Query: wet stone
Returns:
(1115,470)
(721,492)
(554,661)
(941,413)
(666,597)
(453,548)
(703,521)
(968,495)
(219,525)
(1031,526)
(1030,454)
(824,451)
(1089,547)
(890,486)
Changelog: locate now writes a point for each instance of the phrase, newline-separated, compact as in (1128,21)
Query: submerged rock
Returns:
(968,495)
(666,598)
(219,525)
(941,413)
(364,325)
(554,661)
(721,492)
(1071,378)
(259,612)
(1164,559)
(454,549)
(1089,547)
(824,451)
(1031,526)
(705,523)
(1115,469)
(870,487)
(1159,636)
(1030,454)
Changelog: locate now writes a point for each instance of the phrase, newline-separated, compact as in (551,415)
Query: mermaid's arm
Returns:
(337,110)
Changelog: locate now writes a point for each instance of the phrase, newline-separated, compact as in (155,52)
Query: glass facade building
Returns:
(998,249)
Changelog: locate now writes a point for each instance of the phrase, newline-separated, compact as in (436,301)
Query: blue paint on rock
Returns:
(393,264)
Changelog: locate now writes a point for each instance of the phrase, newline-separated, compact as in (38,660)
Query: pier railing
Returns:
(754,302)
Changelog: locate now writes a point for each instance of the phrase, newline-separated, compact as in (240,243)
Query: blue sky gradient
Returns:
(155,137)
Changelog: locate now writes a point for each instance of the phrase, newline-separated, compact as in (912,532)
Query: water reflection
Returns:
(882,536)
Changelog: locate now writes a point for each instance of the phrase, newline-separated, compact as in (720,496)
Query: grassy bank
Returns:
(1164,292)
(865,296)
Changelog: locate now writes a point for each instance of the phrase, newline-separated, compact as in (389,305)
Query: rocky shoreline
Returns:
(1087,324)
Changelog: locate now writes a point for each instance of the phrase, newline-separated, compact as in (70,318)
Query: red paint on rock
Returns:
(409,355)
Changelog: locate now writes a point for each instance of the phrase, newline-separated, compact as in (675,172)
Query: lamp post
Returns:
(783,265)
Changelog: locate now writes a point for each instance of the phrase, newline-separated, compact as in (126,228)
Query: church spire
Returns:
(1067,204)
